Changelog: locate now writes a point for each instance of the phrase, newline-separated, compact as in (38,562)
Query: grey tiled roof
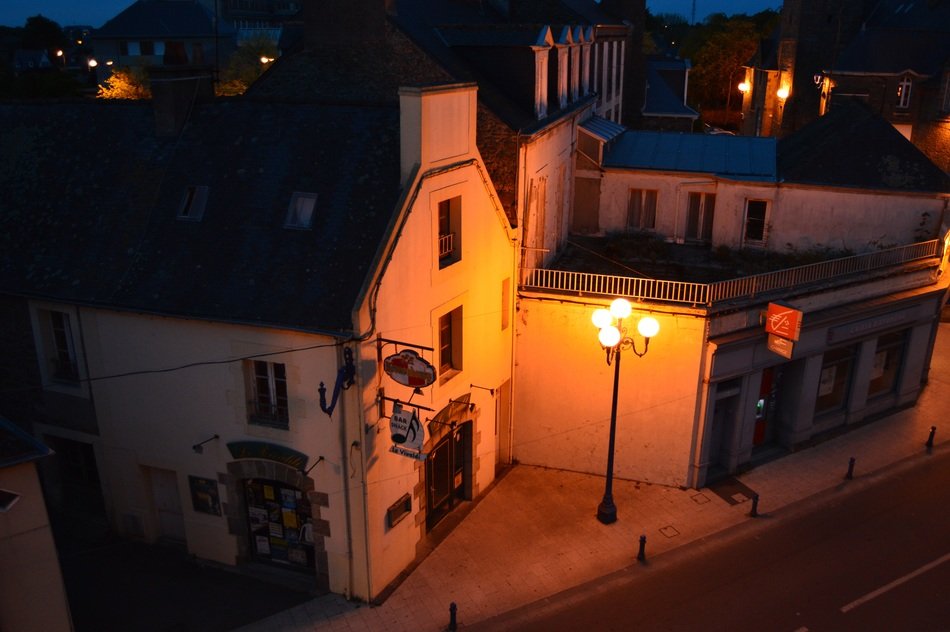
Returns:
(163,18)
(89,198)
(851,146)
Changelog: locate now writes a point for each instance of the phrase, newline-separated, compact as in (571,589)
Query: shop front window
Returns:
(835,380)
(887,363)
(280,523)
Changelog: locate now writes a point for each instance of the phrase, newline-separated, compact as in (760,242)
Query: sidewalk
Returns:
(535,534)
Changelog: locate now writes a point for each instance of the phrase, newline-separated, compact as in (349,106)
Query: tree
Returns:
(41,33)
(125,83)
(245,65)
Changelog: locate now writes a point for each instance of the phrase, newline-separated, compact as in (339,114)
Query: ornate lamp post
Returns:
(613,337)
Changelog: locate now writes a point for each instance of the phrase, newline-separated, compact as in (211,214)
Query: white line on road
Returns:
(894,584)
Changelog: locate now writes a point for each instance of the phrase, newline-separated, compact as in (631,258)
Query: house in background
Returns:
(149,33)
(664,107)
(893,55)
(32,594)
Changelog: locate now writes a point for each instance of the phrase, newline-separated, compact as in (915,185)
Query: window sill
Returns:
(269,423)
(447,375)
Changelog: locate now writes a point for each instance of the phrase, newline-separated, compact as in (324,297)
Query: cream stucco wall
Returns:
(798,218)
(558,353)
(32,595)
(405,301)
(150,417)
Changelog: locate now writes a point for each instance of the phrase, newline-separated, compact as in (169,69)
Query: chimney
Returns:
(436,125)
(175,91)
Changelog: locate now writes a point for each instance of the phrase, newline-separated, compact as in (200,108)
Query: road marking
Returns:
(894,584)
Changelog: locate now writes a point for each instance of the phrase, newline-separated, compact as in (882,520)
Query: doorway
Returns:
(280,524)
(166,502)
(449,473)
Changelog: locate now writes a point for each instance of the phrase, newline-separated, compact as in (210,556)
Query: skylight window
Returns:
(300,212)
(192,207)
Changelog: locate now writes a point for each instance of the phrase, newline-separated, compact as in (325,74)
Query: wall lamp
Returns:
(744,87)
(484,388)
(198,446)
(315,463)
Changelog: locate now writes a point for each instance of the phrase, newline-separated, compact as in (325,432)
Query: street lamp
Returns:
(613,338)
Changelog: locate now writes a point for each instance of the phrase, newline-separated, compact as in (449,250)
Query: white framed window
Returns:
(450,343)
(267,403)
(58,348)
(300,211)
(641,209)
(755,232)
(700,210)
(450,231)
(192,207)
(903,92)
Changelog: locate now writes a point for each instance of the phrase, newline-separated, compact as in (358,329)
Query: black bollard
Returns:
(755,506)
(930,439)
(453,626)
(642,555)
(850,473)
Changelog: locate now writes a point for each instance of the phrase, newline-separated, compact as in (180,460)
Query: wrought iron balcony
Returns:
(264,414)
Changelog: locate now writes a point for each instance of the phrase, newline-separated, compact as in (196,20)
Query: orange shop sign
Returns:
(783,321)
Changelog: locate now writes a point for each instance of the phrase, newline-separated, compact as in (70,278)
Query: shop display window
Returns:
(888,358)
(835,380)
(280,523)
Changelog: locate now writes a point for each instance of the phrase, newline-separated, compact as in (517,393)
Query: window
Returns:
(699,216)
(887,363)
(193,203)
(267,405)
(505,303)
(300,211)
(63,365)
(450,343)
(755,214)
(450,231)
(903,93)
(835,379)
(641,209)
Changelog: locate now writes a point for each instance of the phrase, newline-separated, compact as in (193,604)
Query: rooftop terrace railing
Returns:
(708,294)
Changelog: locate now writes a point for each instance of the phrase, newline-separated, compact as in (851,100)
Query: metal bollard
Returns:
(642,555)
(755,506)
(453,626)
(850,473)
(930,439)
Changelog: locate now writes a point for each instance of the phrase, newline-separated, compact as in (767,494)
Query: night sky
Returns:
(96,12)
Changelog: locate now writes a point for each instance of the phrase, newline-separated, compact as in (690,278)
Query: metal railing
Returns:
(446,245)
(709,294)
(265,414)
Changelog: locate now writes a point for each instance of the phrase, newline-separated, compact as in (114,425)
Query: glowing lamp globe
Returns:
(648,327)
(601,318)
(609,336)
(620,308)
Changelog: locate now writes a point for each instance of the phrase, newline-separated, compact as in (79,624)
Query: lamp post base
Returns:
(607,512)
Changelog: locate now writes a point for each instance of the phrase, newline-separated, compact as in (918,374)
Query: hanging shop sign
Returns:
(783,321)
(782,346)
(407,433)
(268,451)
(409,369)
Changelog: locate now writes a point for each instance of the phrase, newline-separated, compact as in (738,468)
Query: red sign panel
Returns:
(409,369)
(783,321)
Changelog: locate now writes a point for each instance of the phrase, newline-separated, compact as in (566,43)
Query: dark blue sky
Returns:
(96,12)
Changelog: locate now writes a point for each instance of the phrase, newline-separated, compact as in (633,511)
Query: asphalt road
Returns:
(869,556)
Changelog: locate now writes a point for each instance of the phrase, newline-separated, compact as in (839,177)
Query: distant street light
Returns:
(613,338)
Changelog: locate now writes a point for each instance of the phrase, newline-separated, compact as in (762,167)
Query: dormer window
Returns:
(300,213)
(193,203)
(903,93)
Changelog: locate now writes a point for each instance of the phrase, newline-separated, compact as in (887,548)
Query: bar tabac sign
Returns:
(783,324)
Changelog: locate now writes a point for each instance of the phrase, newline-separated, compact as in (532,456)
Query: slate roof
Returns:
(900,35)
(90,198)
(660,99)
(17,446)
(851,146)
(734,157)
(154,19)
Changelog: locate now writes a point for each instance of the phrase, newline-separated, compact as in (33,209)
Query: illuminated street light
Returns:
(266,60)
(613,338)
(782,93)
(744,87)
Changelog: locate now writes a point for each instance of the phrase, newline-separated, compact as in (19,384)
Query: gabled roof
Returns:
(734,157)
(150,19)
(660,100)
(90,197)
(900,36)
(851,146)
(17,446)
